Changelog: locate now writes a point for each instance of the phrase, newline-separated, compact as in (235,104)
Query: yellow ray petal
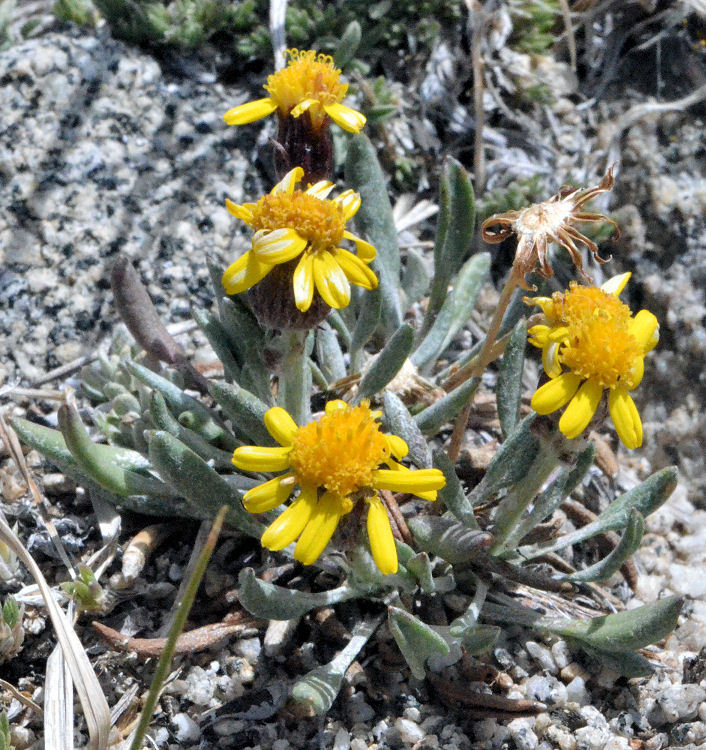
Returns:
(382,543)
(269,495)
(546,303)
(539,336)
(275,246)
(330,280)
(260,458)
(240,212)
(355,270)
(280,425)
(335,405)
(303,282)
(626,417)
(616,284)
(320,189)
(250,111)
(550,359)
(421,480)
(290,524)
(581,409)
(366,251)
(645,328)
(398,447)
(319,529)
(288,182)
(244,273)
(345,117)
(349,201)
(636,374)
(554,394)
(302,107)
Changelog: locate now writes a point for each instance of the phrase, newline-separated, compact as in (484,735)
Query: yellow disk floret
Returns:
(340,451)
(320,222)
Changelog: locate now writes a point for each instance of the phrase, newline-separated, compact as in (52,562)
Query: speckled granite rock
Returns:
(101,152)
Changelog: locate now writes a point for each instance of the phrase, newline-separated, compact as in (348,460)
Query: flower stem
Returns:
(295,376)
(486,355)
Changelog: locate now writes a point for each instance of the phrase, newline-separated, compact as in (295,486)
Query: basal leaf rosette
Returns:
(591,342)
(308,83)
(336,462)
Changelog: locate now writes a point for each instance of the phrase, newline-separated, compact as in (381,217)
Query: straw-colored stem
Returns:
(484,358)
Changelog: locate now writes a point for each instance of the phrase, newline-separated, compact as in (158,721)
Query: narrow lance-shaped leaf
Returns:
(216,335)
(508,514)
(245,410)
(645,498)
(623,631)
(415,279)
(387,363)
(374,221)
(431,419)
(164,420)
(454,232)
(204,422)
(416,640)
(365,325)
(510,464)
(509,387)
(400,422)
(628,545)
(242,329)
(315,693)
(455,311)
(103,463)
(191,477)
(329,354)
(449,539)
(452,494)
(271,602)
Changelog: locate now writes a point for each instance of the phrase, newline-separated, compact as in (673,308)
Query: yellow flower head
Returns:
(335,461)
(309,83)
(289,223)
(592,334)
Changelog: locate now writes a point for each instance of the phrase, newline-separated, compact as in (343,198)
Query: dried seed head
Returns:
(551,221)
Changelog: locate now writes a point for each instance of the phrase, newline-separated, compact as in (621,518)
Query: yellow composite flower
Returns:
(335,461)
(309,83)
(290,223)
(590,341)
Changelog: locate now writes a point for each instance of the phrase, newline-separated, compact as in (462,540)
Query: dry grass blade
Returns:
(93,702)
(21,697)
(58,699)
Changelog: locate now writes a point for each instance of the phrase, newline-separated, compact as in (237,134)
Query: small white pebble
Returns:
(187,730)
(576,692)
(342,740)
(281,745)
(358,744)
(410,732)
(412,714)
(249,648)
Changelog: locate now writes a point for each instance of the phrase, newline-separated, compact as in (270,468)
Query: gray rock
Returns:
(409,731)
(681,702)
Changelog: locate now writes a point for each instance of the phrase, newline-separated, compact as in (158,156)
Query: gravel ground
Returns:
(104,151)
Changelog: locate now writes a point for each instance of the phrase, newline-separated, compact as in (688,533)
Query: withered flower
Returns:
(550,221)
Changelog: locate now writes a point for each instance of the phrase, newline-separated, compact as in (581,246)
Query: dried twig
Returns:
(192,642)
(477,705)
